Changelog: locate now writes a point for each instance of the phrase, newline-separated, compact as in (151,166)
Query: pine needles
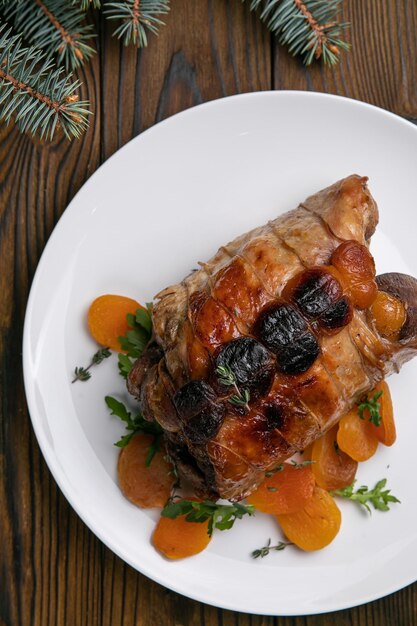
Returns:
(55,27)
(137,16)
(308,27)
(36,94)
(40,95)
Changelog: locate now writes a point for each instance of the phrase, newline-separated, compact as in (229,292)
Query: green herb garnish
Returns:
(274,470)
(301,464)
(220,516)
(262,552)
(83,373)
(135,425)
(228,379)
(372,405)
(241,399)
(377,497)
(136,338)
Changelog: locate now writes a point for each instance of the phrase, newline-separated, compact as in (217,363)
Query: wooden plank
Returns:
(381,66)
(208,49)
(37,180)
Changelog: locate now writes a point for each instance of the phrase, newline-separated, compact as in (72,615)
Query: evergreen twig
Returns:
(86,4)
(36,94)
(308,27)
(55,26)
(137,17)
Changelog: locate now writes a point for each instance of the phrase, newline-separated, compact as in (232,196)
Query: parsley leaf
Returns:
(136,338)
(220,516)
(377,497)
(134,425)
(371,405)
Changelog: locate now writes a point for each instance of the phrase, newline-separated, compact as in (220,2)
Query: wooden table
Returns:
(53,570)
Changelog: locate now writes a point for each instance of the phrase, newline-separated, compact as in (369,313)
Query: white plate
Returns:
(166,200)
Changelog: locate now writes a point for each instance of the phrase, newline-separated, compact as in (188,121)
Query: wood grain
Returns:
(53,571)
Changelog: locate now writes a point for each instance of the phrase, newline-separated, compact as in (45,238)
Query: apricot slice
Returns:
(389,315)
(356,266)
(177,538)
(315,526)
(107,319)
(332,468)
(285,491)
(146,486)
(385,432)
(356,437)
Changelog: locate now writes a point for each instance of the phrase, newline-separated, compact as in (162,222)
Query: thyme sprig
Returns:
(378,497)
(227,377)
(301,464)
(83,373)
(265,550)
(134,425)
(220,516)
(372,405)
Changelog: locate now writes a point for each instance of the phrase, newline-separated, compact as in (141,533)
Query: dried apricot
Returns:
(389,315)
(356,437)
(385,432)
(332,468)
(315,526)
(146,487)
(107,319)
(284,491)
(356,266)
(177,538)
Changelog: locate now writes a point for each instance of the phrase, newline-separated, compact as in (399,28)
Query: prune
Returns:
(250,362)
(280,325)
(298,356)
(316,290)
(205,425)
(193,398)
(337,315)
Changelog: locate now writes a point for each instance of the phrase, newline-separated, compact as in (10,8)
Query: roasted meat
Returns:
(271,342)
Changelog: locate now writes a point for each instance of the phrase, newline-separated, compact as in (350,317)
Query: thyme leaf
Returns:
(265,550)
(83,373)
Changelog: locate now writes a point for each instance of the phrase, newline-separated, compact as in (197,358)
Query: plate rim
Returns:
(47,452)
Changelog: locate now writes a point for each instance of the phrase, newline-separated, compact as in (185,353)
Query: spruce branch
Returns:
(308,27)
(137,16)
(86,4)
(55,26)
(36,94)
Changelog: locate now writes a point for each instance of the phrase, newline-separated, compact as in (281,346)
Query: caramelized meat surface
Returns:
(271,342)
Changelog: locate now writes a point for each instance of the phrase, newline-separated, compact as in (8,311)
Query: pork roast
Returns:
(271,342)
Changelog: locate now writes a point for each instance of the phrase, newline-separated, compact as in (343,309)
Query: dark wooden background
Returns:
(53,570)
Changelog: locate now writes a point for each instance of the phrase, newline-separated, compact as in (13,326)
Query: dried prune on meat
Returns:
(337,315)
(297,357)
(250,362)
(280,325)
(315,291)
(205,425)
(193,398)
